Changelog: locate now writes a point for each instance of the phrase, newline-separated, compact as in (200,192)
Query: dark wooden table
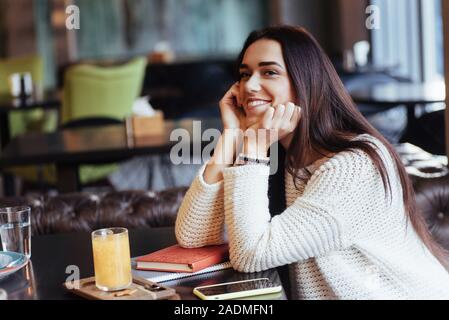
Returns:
(368,69)
(42,279)
(45,100)
(409,95)
(106,144)
(400,93)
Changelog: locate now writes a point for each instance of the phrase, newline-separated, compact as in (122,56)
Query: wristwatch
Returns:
(243,159)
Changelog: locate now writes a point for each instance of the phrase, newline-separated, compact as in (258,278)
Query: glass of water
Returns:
(15,229)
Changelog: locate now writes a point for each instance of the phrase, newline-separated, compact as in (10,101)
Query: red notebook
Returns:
(178,259)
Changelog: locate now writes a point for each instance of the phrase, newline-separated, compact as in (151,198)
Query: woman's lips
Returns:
(253,104)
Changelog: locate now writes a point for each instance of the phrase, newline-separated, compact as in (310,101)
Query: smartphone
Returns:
(237,289)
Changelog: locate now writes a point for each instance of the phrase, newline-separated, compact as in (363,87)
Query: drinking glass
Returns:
(15,229)
(112,259)
(3,295)
(20,84)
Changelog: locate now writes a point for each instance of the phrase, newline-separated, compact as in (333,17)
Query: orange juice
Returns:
(112,259)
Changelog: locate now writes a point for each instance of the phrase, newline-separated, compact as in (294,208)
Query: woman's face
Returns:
(264,79)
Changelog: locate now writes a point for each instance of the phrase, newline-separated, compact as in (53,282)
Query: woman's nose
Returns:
(253,84)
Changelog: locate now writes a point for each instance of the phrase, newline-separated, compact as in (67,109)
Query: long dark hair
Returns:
(329,117)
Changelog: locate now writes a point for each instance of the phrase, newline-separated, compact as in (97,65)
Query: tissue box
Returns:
(141,126)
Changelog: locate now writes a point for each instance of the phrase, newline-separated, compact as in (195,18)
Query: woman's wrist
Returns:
(225,152)
(254,148)
(228,146)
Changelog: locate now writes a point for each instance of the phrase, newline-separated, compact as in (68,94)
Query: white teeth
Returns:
(257,103)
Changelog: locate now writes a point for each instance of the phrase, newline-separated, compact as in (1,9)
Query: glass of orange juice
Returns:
(112,259)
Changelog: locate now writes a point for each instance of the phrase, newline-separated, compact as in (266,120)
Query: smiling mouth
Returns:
(257,103)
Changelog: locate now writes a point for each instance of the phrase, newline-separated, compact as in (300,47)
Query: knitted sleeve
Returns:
(200,219)
(314,225)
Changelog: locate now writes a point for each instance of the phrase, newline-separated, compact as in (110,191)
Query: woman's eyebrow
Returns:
(269,63)
(261,64)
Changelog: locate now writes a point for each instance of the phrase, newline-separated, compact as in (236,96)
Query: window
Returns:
(410,38)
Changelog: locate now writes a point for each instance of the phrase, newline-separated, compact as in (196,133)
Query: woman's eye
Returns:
(270,73)
(244,75)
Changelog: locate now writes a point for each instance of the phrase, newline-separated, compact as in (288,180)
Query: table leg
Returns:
(9,186)
(68,178)
(411,121)
(411,112)
(4,130)
(8,180)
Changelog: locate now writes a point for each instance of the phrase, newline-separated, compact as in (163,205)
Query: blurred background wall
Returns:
(193,27)
(118,29)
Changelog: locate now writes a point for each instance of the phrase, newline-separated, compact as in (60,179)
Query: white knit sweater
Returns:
(341,236)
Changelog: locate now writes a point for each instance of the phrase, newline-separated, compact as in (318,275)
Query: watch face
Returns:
(243,159)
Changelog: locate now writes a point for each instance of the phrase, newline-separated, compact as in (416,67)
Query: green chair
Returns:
(100,92)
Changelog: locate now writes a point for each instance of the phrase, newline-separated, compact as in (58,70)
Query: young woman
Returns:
(346,225)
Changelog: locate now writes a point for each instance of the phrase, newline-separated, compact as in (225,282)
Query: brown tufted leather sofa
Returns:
(430,176)
(90,211)
(432,197)
(134,209)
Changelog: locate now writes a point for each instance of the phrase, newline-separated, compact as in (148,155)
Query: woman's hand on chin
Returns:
(232,113)
(275,124)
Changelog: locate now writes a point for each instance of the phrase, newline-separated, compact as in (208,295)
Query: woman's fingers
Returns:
(268,118)
(296,116)
(231,112)
(235,91)
(278,116)
(289,111)
(286,118)
(231,97)
(282,117)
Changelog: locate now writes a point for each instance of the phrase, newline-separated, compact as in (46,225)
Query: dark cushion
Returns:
(430,177)
(427,132)
(432,198)
(90,211)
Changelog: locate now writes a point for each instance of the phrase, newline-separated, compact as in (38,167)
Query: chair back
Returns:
(97,91)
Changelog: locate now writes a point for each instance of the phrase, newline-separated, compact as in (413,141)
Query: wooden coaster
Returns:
(140,289)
